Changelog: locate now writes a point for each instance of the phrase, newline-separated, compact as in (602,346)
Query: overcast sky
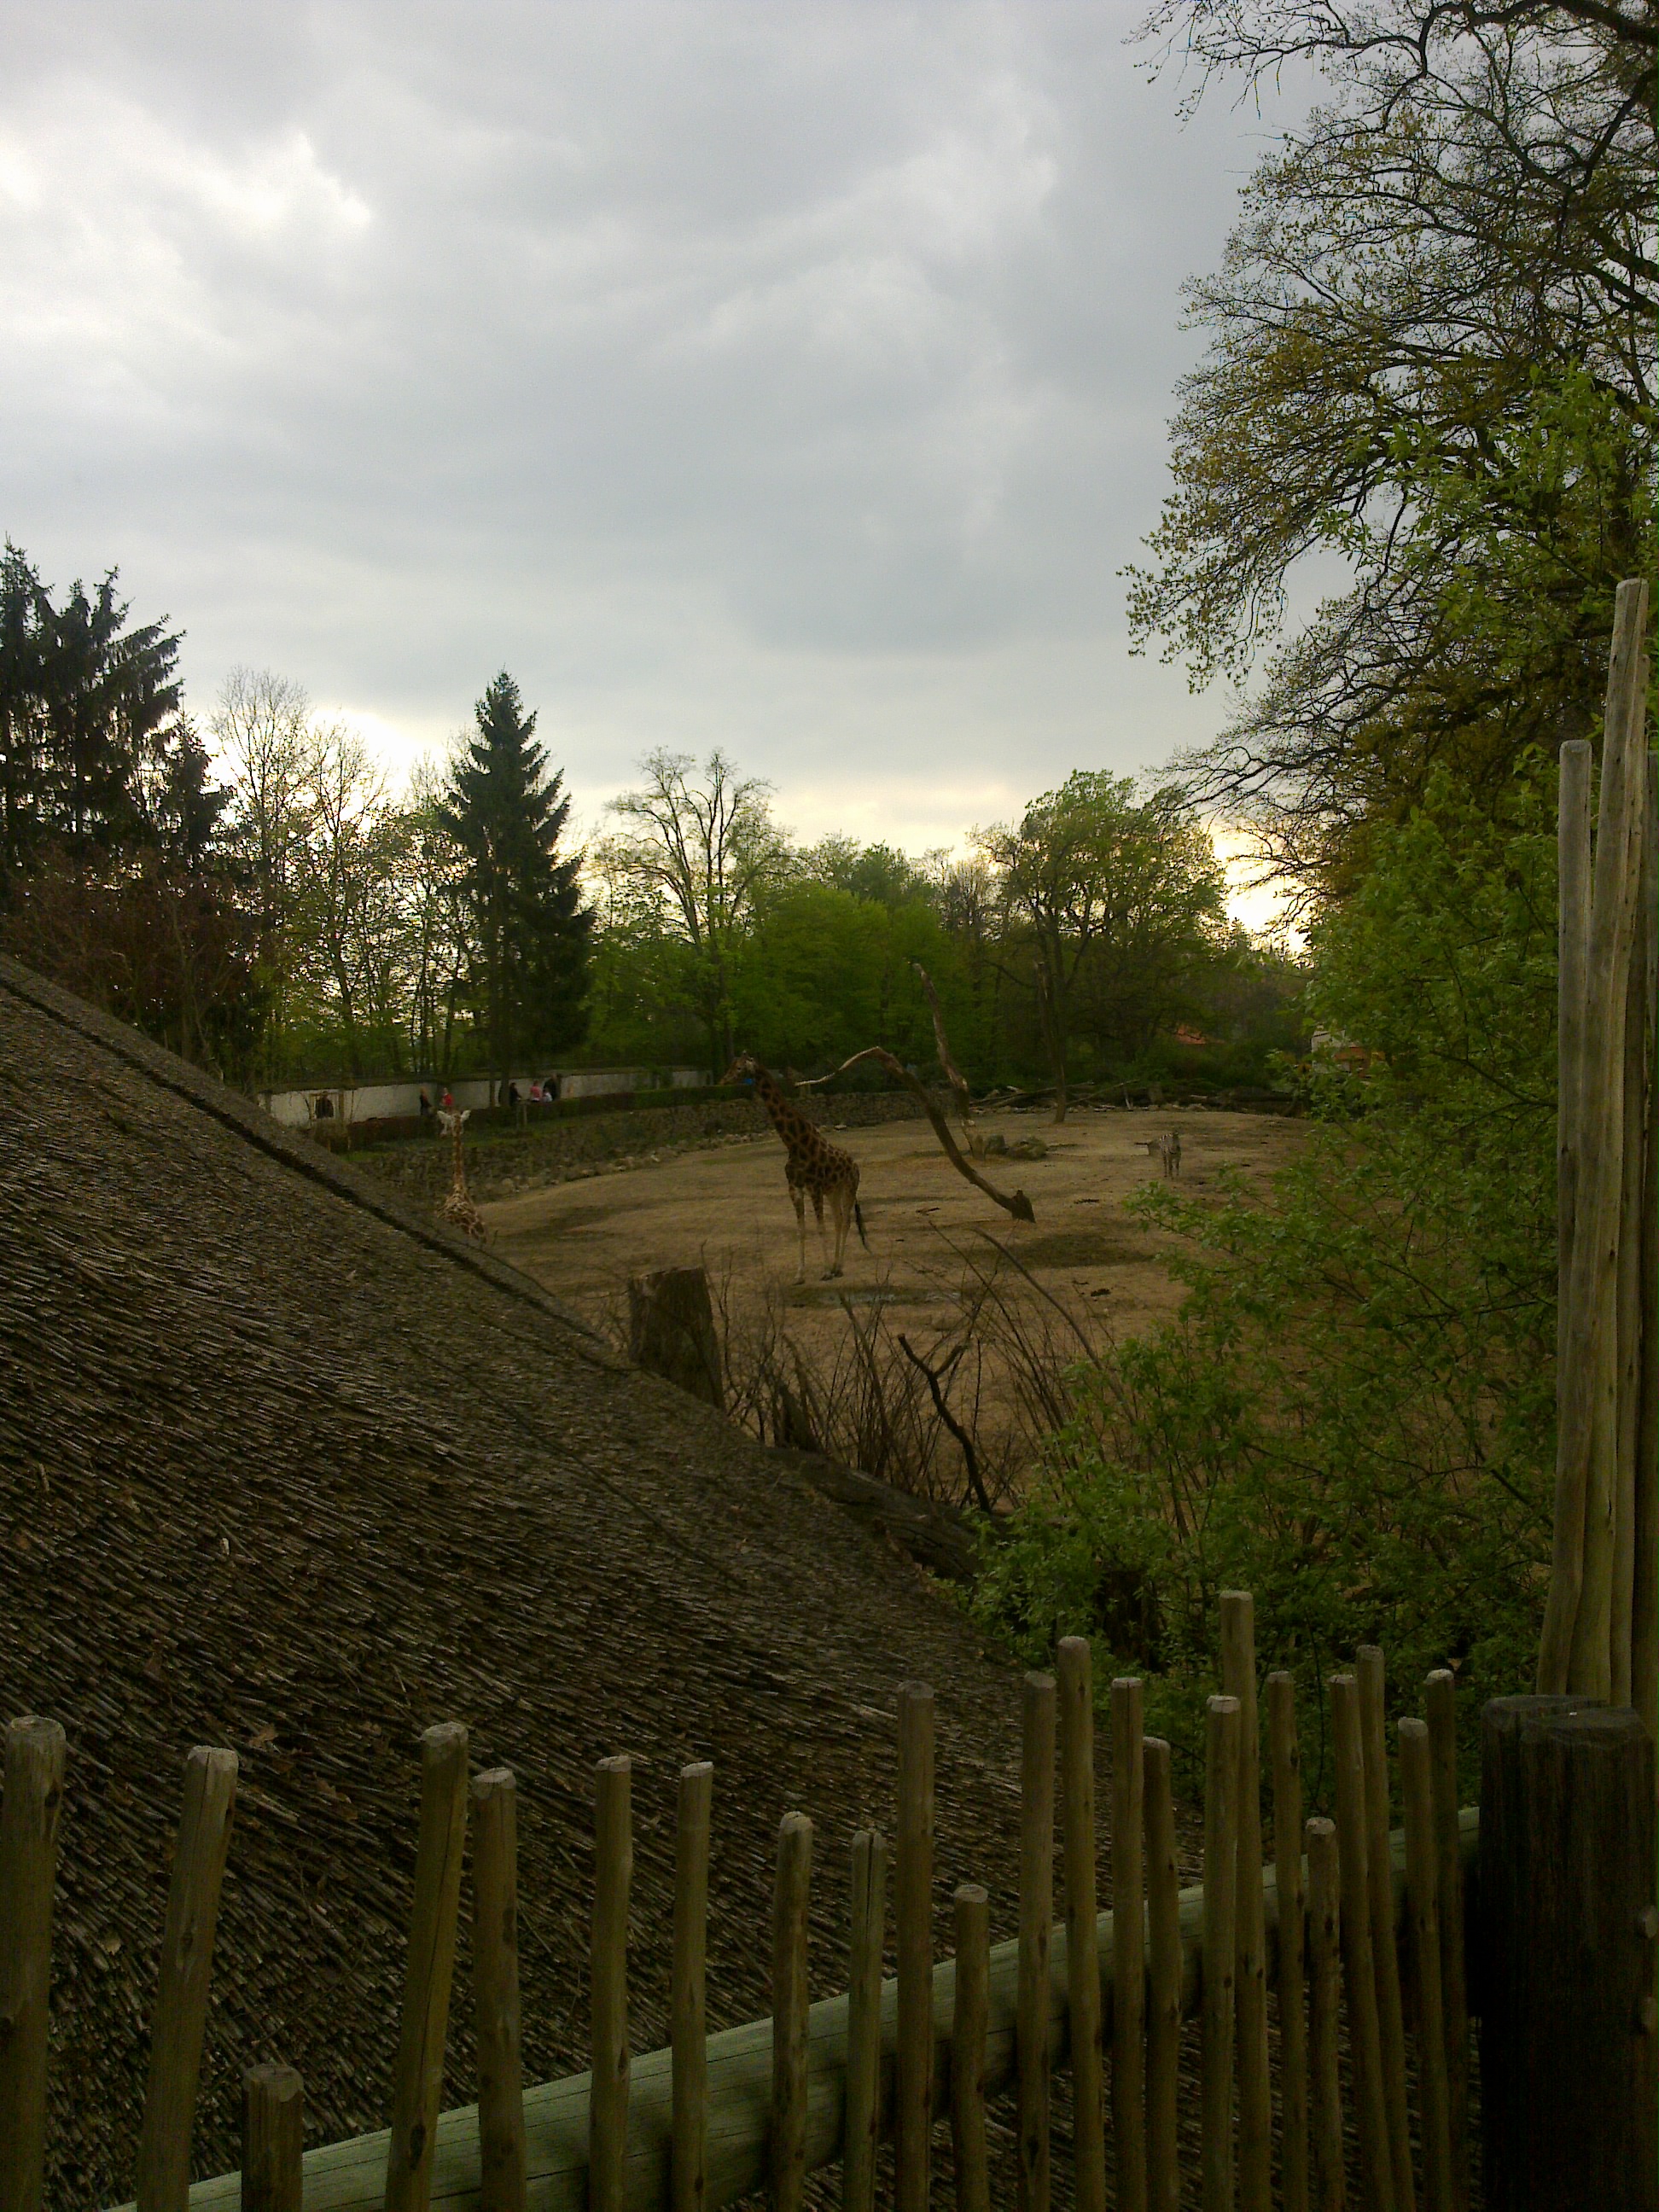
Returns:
(791,376)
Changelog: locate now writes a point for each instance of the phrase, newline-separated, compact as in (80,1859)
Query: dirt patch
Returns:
(1085,1247)
(931,1236)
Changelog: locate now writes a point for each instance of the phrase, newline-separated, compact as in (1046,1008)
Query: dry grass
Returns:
(952,1409)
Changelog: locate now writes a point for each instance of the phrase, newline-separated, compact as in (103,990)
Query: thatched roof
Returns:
(285,1467)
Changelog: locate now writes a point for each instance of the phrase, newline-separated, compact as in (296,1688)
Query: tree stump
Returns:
(671,1331)
(1570,2087)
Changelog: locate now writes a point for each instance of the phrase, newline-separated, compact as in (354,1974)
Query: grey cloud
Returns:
(798,371)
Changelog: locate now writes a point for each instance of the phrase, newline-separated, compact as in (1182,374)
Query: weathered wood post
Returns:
(671,1331)
(187,1968)
(273,2139)
(913,1915)
(34,1756)
(495,1800)
(1570,2087)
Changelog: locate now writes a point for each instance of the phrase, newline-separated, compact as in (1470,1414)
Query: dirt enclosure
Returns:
(929,1274)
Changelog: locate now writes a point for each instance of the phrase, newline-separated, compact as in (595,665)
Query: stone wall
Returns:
(561,1151)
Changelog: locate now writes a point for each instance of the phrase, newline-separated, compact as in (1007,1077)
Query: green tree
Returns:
(706,852)
(88,709)
(1431,358)
(1111,905)
(1353,1414)
(528,928)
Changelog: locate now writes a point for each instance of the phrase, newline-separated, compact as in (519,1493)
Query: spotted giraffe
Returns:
(458,1208)
(815,1168)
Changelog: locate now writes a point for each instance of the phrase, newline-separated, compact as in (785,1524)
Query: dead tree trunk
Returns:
(671,1331)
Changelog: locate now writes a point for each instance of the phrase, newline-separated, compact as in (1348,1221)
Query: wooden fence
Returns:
(1352,1938)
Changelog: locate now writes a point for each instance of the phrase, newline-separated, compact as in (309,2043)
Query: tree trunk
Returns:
(1053,1035)
(1570,2087)
(671,1331)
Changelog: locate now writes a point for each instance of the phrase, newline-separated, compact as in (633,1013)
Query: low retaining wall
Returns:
(559,1153)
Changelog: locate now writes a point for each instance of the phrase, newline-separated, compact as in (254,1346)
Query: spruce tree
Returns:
(528,928)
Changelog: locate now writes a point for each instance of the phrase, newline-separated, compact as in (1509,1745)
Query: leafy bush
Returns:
(1353,1414)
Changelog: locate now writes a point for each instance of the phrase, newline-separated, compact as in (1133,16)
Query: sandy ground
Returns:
(725,1206)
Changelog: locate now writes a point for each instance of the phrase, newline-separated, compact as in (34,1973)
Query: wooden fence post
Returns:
(1077,1784)
(1329,2186)
(29,1866)
(1221,1764)
(688,2005)
(1037,1915)
(273,2139)
(862,2128)
(791,1898)
(1128,1945)
(1385,1952)
(1163,2007)
(1422,1908)
(613,1875)
(181,1997)
(967,2028)
(418,2088)
(1570,2087)
(1370,2099)
(1286,1760)
(913,1915)
(1440,1710)
(496,1990)
(1255,2119)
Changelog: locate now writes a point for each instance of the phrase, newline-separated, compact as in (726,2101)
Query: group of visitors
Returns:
(541,1094)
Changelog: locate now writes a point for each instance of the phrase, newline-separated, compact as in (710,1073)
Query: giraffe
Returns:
(815,1168)
(457,1209)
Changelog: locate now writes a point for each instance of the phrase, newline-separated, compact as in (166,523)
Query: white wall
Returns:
(365,1101)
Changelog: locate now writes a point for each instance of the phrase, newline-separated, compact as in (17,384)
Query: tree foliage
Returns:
(1351,1415)
(1431,358)
(1112,906)
(704,851)
(113,878)
(528,927)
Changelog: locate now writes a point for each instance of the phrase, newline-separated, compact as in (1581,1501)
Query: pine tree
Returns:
(530,931)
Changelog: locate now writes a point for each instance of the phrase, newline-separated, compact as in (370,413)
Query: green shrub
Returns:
(1353,1414)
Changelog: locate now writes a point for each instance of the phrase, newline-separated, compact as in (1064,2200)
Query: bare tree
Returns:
(706,849)
(347,860)
(260,725)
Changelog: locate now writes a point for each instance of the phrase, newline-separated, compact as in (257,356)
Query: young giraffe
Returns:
(815,1168)
(457,1209)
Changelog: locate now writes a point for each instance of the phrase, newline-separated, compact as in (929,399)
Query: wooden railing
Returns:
(1355,1935)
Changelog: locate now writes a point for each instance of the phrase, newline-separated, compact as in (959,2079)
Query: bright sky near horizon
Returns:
(790,375)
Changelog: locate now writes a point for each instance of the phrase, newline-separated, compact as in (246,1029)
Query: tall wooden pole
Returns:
(1644,1591)
(1575,1652)
(1634,1074)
